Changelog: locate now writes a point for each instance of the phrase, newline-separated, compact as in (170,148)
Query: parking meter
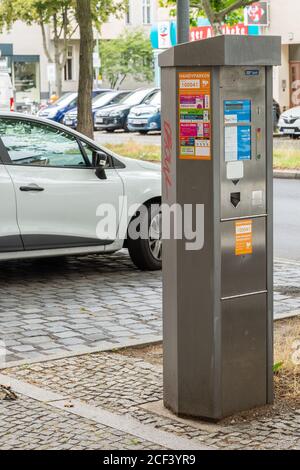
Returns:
(218,291)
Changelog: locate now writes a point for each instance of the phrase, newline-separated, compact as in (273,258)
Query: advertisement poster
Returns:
(194,116)
(164,35)
(257,14)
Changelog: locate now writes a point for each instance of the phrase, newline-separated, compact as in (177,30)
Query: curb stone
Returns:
(286,174)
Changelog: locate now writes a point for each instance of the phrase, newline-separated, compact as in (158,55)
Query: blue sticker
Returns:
(252,73)
(244,142)
(236,111)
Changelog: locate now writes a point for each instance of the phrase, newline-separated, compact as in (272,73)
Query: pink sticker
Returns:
(188,130)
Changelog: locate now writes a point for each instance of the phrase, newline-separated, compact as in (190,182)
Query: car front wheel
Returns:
(146,252)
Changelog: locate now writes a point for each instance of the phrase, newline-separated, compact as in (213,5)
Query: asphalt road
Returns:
(287,219)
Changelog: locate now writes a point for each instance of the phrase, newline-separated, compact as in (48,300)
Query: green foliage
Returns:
(277,367)
(217,11)
(128,55)
(35,11)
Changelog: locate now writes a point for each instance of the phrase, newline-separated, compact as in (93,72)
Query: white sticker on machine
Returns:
(257,198)
(234,170)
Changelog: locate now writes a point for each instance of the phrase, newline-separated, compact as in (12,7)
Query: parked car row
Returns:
(137,110)
(118,116)
(133,111)
(57,111)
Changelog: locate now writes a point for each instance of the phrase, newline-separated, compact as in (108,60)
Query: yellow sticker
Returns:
(243,237)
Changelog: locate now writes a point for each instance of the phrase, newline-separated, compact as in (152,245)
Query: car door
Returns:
(57,191)
(10,238)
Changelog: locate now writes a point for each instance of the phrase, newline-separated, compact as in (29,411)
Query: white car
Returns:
(289,122)
(55,186)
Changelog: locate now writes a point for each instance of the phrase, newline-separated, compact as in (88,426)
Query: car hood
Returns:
(72,111)
(292,113)
(106,110)
(143,109)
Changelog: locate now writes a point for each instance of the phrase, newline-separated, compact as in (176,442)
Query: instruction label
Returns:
(237,143)
(194,116)
(243,237)
(236,111)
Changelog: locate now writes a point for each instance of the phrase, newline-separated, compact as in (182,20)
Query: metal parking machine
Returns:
(217,152)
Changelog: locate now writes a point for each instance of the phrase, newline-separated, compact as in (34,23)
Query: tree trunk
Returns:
(58,77)
(85,87)
(210,14)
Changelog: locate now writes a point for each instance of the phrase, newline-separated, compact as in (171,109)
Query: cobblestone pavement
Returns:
(28,424)
(74,304)
(129,386)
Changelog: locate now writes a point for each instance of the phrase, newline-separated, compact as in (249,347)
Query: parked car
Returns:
(146,116)
(276,114)
(7,102)
(98,102)
(55,182)
(114,117)
(289,122)
(56,112)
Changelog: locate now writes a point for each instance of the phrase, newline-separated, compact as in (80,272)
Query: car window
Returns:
(136,97)
(149,97)
(90,152)
(32,143)
(102,100)
(156,99)
(118,98)
(65,99)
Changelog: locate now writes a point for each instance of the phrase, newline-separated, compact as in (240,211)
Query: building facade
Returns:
(23,53)
(284,22)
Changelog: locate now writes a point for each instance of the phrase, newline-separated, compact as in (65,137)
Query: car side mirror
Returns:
(100,162)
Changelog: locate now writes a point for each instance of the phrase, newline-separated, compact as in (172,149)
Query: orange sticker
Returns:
(243,237)
(194,115)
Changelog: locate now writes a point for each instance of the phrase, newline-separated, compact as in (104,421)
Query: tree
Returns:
(58,15)
(89,12)
(129,55)
(216,11)
(84,17)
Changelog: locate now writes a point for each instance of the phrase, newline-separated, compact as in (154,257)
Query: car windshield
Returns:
(66,99)
(135,98)
(155,100)
(103,99)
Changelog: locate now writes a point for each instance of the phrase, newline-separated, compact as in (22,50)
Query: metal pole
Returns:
(183,21)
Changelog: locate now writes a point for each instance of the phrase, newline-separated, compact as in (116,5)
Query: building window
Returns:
(26,79)
(128,14)
(69,64)
(146,5)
